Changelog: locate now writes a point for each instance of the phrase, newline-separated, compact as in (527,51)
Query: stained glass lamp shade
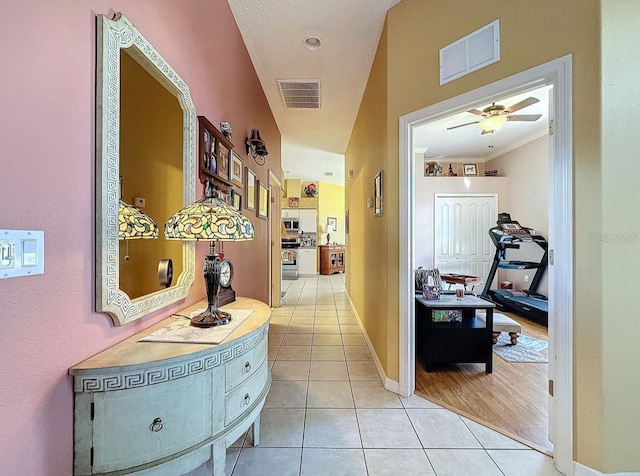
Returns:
(134,224)
(209,219)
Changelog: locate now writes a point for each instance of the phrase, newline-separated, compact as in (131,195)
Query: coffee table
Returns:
(468,341)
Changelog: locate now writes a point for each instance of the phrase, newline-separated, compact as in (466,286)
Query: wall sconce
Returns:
(256,147)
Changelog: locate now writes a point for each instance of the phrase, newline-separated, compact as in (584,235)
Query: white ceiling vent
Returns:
(476,50)
(300,93)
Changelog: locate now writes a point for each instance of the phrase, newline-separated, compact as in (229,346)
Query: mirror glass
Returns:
(145,156)
(150,167)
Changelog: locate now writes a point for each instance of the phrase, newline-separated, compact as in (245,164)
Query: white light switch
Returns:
(21,253)
(29,252)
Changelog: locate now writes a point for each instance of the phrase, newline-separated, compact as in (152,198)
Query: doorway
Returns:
(558,74)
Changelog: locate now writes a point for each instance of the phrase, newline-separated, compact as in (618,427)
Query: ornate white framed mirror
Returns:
(146,156)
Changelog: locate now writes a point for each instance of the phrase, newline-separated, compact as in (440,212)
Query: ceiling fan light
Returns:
(493,122)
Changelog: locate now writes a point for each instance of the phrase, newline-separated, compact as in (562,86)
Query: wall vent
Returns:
(300,93)
(328,174)
(475,51)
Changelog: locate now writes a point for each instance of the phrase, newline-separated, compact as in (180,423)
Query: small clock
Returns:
(226,294)
(165,272)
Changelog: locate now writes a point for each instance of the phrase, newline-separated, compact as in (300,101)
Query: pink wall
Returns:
(47,55)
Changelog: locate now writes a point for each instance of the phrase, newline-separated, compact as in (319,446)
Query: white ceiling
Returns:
(468,142)
(314,141)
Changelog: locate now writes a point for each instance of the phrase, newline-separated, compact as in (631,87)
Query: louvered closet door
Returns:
(461,233)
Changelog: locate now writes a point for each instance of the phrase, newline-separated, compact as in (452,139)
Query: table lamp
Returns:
(209,219)
(134,224)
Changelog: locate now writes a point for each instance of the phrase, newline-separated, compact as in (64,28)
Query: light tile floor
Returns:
(328,414)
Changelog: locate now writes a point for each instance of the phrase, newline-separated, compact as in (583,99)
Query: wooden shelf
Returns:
(214,154)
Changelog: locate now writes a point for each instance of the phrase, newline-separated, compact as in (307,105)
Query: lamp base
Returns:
(211,317)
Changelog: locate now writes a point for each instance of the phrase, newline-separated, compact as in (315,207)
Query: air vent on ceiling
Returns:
(300,93)
(328,174)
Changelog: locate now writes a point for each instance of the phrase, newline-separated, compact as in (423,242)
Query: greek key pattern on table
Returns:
(144,377)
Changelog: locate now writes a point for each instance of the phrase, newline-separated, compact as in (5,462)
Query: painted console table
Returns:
(158,408)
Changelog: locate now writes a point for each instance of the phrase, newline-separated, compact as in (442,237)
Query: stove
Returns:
(289,254)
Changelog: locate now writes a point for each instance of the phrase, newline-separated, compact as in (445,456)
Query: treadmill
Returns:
(528,303)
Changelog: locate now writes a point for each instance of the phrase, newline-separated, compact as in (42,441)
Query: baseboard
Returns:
(582,470)
(391,385)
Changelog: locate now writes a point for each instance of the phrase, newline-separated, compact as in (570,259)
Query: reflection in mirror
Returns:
(150,166)
(145,138)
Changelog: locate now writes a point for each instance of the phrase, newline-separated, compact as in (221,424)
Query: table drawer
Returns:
(136,426)
(245,365)
(242,398)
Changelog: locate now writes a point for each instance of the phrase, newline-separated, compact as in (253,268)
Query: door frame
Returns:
(559,74)
(275,221)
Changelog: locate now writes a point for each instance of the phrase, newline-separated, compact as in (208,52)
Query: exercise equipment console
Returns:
(529,303)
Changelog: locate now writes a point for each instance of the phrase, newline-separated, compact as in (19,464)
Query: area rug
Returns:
(528,349)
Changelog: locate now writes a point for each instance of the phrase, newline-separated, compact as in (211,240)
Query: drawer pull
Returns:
(247,399)
(247,367)
(156,425)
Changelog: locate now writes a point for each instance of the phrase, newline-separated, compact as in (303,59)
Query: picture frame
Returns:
(215,153)
(378,184)
(470,170)
(332,223)
(224,154)
(294,202)
(262,210)
(236,169)
(250,190)
(346,222)
(236,200)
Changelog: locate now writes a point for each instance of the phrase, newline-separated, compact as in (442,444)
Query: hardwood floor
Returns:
(512,400)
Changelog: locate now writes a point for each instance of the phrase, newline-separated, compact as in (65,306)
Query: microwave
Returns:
(291,224)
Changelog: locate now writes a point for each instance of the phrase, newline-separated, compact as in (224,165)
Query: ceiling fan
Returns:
(495,116)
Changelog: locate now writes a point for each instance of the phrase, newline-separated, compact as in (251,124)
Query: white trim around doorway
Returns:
(558,73)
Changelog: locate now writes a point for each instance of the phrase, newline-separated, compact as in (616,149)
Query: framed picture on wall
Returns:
(236,200)
(332,223)
(250,190)
(236,169)
(223,160)
(470,170)
(346,222)
(263,201)
(378,194)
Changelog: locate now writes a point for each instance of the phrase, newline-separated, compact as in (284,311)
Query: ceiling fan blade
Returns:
(524,117)
(522,104)
(462,125)
(476,112)
(485,132)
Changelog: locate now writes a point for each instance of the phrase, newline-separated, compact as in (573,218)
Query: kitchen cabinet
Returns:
(290,213)
(308,220)
(307,261)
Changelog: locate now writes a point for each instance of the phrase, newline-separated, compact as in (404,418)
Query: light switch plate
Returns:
(21,253)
